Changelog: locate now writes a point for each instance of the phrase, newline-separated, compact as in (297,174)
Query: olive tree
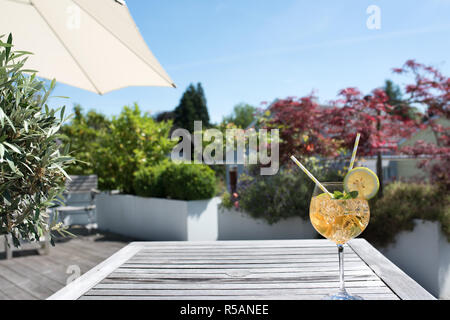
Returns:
(32,175)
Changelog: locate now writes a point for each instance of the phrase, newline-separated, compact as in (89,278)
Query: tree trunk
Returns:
(380,173)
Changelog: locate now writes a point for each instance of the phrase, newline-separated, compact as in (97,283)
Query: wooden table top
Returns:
(243,270)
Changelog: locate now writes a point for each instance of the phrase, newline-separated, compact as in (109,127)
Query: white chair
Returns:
(79,202)
(79,209)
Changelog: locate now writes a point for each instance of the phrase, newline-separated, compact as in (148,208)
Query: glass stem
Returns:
(341,267)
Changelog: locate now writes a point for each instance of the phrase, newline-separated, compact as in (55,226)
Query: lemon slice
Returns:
(363,180)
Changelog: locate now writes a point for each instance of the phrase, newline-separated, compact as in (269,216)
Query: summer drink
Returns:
(339,220)
(343,213)
(339,211)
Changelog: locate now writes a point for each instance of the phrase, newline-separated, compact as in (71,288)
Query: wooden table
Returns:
(245,270)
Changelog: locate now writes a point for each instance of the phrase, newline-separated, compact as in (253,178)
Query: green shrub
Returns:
(148,183)
(175,181)
(277,197)
(32,172)
(135,140)
(283,195)
(116,148)
(401,204)
(86,135)
(227,201)
(185,181)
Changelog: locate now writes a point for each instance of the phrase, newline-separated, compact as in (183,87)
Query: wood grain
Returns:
(392,276)
(243,270)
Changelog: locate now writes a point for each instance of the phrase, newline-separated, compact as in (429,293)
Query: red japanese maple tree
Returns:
(307,128)
(432,90)
(300,121)
(374,118)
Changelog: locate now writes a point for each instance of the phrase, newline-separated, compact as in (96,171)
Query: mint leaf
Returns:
(354,194)
(338,195)
(345,196)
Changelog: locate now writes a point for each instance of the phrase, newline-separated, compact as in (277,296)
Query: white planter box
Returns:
(235,225)
(172,220)
(424,254)
(158,219)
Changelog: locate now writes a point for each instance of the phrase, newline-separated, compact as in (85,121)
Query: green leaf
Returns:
(354,194)
(6,197)
(66,149)
(2,152)
(10,122)
(350,195)
(338,195)
(62,171)
(12,147)
(8,48)
(2,117)
(14,168)
(26,166)
(53,130)
(63,159)
(20,52)
(62,113)
(5,45)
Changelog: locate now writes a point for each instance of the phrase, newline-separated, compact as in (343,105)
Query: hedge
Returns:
(181,181)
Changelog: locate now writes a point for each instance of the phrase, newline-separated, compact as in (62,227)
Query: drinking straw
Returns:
(352,161)
(311,176)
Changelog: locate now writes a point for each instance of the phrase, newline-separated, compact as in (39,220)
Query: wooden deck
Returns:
(30,276)
(244,270)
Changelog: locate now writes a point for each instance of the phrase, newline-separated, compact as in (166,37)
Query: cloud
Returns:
(298,48)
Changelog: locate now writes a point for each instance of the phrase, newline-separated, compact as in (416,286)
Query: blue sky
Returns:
(253,50)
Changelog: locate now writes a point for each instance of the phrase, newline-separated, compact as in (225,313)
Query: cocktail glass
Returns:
(338,220)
